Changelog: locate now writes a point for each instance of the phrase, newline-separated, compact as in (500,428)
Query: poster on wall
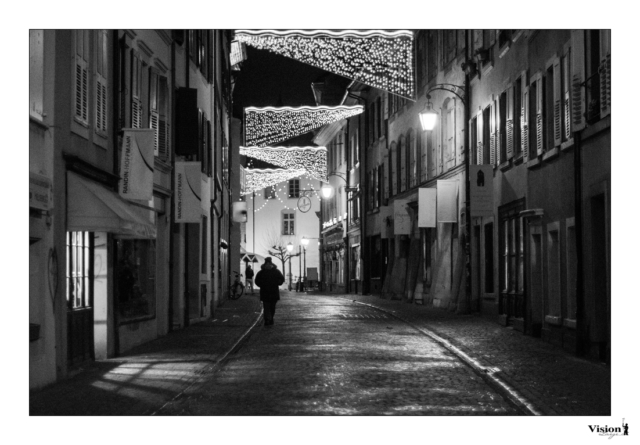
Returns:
(481,189)
(401,217)
(447,201)
(427,207)
(136,164)
(188,192)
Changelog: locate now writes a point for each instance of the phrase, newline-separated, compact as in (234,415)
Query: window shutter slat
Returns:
(539,118)
(605,86)
(479,157)
(557,109)
(154,123)
(509,123)
(577,78)
(524,124)
(492,127)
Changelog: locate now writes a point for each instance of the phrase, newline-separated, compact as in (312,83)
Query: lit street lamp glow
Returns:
(327,190)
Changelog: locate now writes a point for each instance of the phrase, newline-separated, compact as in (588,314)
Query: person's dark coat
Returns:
(249,272)
(268,279)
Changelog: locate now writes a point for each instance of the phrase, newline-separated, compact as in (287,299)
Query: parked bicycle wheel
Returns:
(236,291)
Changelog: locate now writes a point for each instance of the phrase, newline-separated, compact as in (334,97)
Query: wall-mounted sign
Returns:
(481,180)
(40,196)
(427,207)
(401,217)
(304,204)
(447,201)
(188,192)
(136,164)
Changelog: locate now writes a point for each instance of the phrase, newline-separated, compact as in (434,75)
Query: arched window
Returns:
(403,163)
(413,158)
(394,169)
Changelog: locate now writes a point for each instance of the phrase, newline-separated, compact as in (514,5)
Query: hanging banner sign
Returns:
(447,201)
(40,192)
(481,180)
(188,192)
(427,207)
(136,164)
(401,217)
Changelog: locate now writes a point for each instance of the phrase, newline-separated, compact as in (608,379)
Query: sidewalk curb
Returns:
(488,374)
(216,366)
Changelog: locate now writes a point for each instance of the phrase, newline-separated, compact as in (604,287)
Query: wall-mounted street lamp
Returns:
(327,189)
(429,117)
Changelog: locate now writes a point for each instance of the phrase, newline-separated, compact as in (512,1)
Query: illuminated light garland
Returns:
(381,59)
(312,159)
(257,179)
(268,125)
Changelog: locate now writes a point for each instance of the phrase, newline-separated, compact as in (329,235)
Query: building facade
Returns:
(107,254)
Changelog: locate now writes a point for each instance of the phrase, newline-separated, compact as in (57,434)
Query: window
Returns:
(136,273)
(203,244)
(36,74)
(136,91)
(294,188)
(413,155)
(547,107)
(403,164)
(524,119)
(288,220)
(553,270)
(394,168)
(536,94)
(102,74)
(82,76)
(432,54)
(565,64)
(486,135)
(204,143)
(501,138)
(473,140)
(571,261)
(511,248)
(79,270)
(449,46)
(158,119)
(385,180)
(488,258)
(270,192)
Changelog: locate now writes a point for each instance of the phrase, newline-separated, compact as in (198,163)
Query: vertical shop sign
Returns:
(136,164)
(481,181)
(427,207)
(188,192)
(447,201)
(401,217)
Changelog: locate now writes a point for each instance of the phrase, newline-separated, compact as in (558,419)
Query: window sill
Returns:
(505,166)
(518,159)
(570,323)
(39,123)
(551,154)
(552,319)
(535,162)
(566,145)
(504,50)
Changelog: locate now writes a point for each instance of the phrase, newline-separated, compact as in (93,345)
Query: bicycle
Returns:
(237,288)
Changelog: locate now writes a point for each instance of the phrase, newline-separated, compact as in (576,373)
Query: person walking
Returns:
(268,279)
(249,274)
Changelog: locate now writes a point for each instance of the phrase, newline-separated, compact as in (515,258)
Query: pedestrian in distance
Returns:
(268,279)
(249,274)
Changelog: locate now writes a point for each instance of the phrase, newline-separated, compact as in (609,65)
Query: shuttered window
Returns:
(154,114)
(136,91)
(403,164)
(163,118)
(524,120)
(492,132)
(81,79)
(102,74)
(509,126)
(501,148)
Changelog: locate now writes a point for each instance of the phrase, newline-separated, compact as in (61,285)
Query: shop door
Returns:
(80,345)
(511,248)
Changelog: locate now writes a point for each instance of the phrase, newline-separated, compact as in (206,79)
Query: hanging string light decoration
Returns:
(257,179)
(312,159)
(381,59)
(268,125)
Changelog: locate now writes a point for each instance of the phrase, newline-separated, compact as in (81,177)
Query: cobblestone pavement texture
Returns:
(141,381)
(331,355)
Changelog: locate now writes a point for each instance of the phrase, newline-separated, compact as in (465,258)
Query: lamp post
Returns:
(289,249)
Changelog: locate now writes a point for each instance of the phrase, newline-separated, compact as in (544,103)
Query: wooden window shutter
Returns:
(539,116)
(509,123)
(136,86)
(81,89)
(102,70)
(557,103)
(163,124)
(524,122)
(498,125)
(154,115)
(566,96)
(492,131)
(479,148)
(605,85)
(578,106)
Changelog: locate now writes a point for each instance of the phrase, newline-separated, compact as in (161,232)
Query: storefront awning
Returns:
(93,208)
(250,257)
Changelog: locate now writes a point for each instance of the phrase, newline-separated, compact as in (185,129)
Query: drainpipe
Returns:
(467,188)
(114,131)
(581,341)
(186,226)
(172,224)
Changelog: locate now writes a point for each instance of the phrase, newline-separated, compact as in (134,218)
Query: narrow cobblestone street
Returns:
(330,356)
